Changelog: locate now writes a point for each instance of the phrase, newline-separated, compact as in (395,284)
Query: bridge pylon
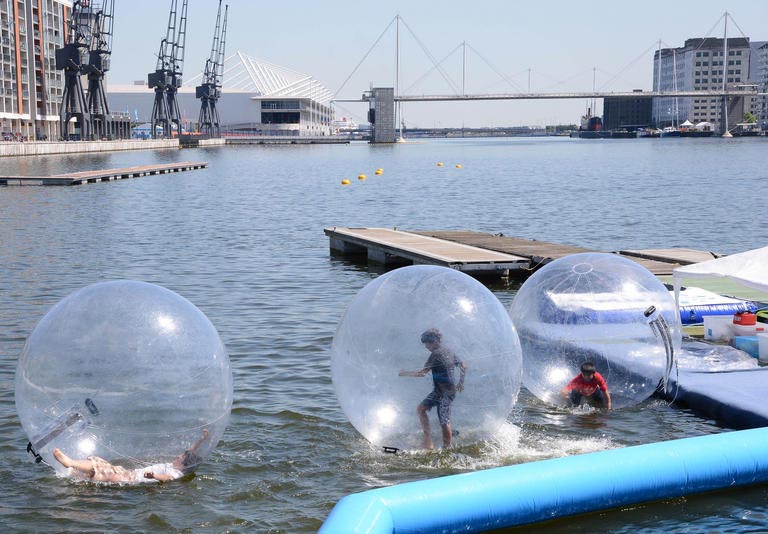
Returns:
(381,113)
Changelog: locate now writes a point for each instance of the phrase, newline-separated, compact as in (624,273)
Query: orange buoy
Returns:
(361,177)
(345,181)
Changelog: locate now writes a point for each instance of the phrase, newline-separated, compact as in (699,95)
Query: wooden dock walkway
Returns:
(683,256)
(659,261)
(518,254)
(385,246)
(89,177)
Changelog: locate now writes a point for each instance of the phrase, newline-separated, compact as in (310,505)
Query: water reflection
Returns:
(243,241)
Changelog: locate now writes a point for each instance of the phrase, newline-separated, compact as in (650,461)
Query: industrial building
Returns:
(30,85)
(258,98)
(628,113)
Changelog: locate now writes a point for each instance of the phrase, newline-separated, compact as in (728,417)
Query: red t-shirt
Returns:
(587,388)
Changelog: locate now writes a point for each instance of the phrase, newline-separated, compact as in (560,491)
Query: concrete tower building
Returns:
(700,65)
(759,76)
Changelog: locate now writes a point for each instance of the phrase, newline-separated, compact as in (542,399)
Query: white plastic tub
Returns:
(762,347)
(718,327)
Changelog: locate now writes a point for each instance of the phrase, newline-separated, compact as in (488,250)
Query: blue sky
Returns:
(560,43)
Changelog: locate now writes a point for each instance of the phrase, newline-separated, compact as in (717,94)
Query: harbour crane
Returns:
(98,64)
(166,79)
(210,90)
(71,59)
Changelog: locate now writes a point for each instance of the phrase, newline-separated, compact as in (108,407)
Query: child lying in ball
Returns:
(100,470)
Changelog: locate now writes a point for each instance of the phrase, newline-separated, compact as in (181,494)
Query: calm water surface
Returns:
(244,241)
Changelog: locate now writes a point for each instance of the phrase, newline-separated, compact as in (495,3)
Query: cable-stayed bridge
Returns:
(384,101)
(565,95)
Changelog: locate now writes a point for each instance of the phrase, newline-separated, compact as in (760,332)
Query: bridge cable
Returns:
(630,64)
(508,79)
(431,57)
(430,71)
(706,35)
(494,69)
(364,57)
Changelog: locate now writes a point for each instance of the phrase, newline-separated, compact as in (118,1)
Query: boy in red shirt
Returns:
(589,385)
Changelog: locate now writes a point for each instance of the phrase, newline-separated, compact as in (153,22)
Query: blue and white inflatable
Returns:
(550,489)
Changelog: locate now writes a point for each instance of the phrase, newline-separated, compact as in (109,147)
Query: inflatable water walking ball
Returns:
(381,334)
(124,370)
(595,307)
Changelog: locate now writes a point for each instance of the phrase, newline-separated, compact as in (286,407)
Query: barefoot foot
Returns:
(62,458)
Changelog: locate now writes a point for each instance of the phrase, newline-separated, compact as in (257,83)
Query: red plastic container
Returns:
(744,318)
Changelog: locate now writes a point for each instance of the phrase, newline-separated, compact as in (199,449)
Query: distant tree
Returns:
(749,117)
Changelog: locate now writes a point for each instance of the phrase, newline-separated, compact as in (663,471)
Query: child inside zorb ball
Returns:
(123,382)
(424,340)
(598,308)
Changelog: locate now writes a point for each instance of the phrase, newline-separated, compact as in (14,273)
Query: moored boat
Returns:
(746,129)
(591,127)
(671,131)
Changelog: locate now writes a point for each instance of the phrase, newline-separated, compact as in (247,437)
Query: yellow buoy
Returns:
(458,165)
(345,181)
(379,171)
(439,163)
(361,177)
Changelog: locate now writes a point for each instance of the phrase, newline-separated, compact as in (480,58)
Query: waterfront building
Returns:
(760,78)
(620,112)
(700,65)
(258,98)
(30,85)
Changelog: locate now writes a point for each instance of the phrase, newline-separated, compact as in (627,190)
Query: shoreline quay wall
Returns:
(44,148)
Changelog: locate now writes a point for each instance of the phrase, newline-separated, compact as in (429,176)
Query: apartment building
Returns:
(30,85)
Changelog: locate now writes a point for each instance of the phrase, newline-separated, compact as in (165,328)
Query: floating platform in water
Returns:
(735,399)
(519,254)
(682,256)
(108,175)
(385,246)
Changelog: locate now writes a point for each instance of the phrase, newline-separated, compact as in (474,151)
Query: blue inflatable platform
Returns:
(539,491)
(736,399)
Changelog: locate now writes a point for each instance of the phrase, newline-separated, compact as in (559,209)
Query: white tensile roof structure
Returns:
(243,73)
(745,268)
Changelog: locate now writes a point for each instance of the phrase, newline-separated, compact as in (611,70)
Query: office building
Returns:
(701,64)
